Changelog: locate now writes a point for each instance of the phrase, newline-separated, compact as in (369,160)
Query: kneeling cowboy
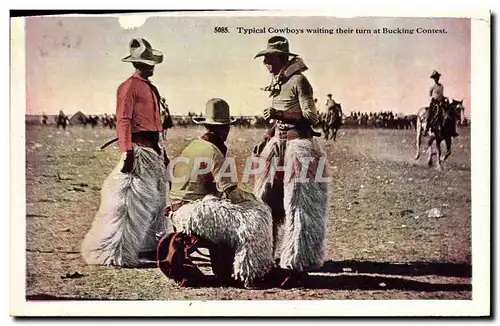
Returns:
(209,210)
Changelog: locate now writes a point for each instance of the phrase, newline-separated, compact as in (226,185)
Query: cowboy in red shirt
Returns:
(138,110)
(133,196)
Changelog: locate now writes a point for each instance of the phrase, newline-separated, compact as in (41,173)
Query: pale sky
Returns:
(74,63)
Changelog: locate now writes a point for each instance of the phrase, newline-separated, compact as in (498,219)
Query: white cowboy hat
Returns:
(142,52)
(216,113)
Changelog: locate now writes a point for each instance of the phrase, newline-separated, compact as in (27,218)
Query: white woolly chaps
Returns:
(130,212)
(245,227)
(305,200)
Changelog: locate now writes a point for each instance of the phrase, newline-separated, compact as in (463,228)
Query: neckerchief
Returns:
(214,139)
(296,65)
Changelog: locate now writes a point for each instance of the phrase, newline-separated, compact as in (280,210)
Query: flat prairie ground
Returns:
(381,242)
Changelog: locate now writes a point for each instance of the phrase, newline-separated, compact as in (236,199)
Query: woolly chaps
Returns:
(298,197)
(130,213)
(245,227)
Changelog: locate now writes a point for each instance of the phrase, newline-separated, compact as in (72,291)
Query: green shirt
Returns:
(199,165)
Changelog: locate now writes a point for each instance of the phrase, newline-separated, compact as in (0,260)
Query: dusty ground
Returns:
(382,244)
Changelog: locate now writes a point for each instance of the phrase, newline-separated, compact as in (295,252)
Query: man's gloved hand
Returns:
(236,195)
(289,117)
(269,113)
(285,116)
(259,147)
(128,165)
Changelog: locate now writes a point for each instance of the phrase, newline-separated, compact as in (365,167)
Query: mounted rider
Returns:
(330,103)
(439,103)
(332,109)
(62,120)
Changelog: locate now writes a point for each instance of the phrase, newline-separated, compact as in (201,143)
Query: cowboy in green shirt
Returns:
(299,206)
(208,208)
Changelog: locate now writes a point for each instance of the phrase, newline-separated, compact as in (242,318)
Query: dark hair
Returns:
(213,128)
(140,65)
(209,128)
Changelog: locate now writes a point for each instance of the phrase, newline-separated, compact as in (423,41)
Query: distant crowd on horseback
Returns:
(330,120)
(79,119)
(381,119)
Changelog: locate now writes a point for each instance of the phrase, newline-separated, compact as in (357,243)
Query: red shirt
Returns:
(136,110)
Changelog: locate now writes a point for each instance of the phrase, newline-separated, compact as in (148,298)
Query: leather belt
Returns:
(290,131)
(147,139)
(294,133)
(145,143)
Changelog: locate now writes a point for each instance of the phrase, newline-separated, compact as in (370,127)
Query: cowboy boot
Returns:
(293,279)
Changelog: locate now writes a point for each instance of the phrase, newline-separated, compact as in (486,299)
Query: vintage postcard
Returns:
(251,163)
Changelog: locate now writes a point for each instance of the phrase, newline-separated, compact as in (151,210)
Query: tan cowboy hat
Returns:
(216,113)
(435,74)
(276,45)
(142,52)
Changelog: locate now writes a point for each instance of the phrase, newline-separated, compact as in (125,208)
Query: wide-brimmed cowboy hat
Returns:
(276,45)
(435,74)
(141,51)
(216,113)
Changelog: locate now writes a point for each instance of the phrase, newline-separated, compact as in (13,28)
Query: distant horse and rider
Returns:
(332,121)
(439,120)
(62,120)
(440,126)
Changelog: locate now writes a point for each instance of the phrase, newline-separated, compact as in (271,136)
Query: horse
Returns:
(442,130)
(62,120)
(112,121)
(93,120)
(333,121)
